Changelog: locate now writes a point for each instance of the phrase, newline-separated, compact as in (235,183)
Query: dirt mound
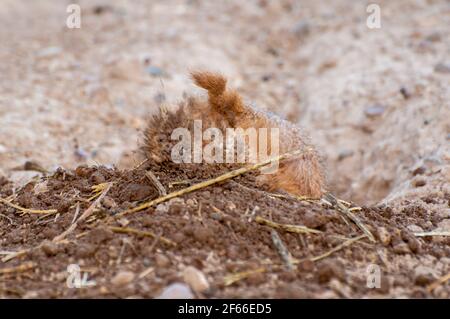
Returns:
(225,231)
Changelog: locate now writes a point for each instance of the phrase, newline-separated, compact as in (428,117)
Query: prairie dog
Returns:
(302,175)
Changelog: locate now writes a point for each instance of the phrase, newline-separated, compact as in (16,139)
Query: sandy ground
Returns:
(375,101)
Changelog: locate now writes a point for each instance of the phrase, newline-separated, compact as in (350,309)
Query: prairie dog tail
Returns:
(224,101)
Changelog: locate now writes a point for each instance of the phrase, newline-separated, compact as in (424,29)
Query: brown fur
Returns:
(302,175)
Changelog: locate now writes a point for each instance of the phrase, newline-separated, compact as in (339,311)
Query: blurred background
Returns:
(375,101)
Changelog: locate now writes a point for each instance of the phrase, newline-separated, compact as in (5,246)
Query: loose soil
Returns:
(214,230)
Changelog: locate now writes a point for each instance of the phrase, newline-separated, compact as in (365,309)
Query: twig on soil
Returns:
(282,250)
(146,272)
(286,227)
(161,190)
(21,268)
(438,282)
(98,189)
(305,198)
(345,203)
(347,213)
(88,212)
(77,211)
(140,164)
(210,182)
(337,248)
(273,195)
(15,255)
(432,233)
(6,252)
(231,279)
(199,212)
(127,230)
(176,183)
(27,210)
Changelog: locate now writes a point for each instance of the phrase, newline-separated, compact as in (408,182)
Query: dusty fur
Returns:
(302,175)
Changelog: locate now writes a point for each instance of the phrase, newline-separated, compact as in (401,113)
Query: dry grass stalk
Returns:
(210,182)
(140,164)
(88,212)
(282,250)
(97,190)
(337,248)
(432,233)
(286,227)
(128,230)
(146,272)
(27,210)
(161,190)
(347,213)
(21,268)
(232,278)
(177,183)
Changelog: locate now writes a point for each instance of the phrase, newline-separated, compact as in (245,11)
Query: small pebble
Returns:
(405,93)
(231,206)
(176,291)
(123,278)
(423,275)
(402,248)
(216,216)
(123,222)
(301,29)
(49,248)
(154,70)
(162,260)
(434,37)
(108,202)
(162,208)
(344,154)
(195,279)
(418,182)
(442,68)
(419,170)
(374,110)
